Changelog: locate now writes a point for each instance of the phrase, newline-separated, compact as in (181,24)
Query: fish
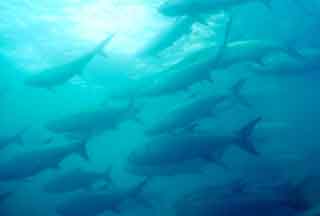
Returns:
(243,51)
(76,179)
(92,122)
(59,75)
(27,164)
(195,8)
(91,203)
(228,202)
(198,66)
(187,115)
(168,37)
(16,138)
(193,68)
(286,65)
(173,149)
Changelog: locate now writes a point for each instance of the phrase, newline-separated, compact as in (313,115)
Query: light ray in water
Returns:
(135,23)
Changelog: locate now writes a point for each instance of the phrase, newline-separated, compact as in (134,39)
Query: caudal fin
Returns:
(102,44)
(81,148)
(137,190)
(244,140)
(136,193)
(18,138)
(225,39)
(304,195)
(236,92)
(107,175)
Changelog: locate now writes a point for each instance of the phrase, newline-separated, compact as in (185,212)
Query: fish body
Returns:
(75,179)
(28,164)
(58,75)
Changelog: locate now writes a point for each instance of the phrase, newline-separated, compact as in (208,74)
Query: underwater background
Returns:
(140,107)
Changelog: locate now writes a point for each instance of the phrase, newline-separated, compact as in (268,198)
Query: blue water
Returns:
(212,111)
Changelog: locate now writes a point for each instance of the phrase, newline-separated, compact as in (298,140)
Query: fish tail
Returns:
(225,40)
(102,44)
(244,136)
(81,148)
(107,174)
(236,92)
(19,136)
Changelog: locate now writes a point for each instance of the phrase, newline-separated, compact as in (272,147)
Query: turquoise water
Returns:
(136,107)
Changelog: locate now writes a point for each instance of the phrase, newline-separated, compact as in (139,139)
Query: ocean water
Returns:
(163,107)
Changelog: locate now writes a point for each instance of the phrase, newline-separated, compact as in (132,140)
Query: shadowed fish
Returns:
(207,201)
(95,203)
(286,65)
(195,8)
(198,66)
(251,51)
(187,116)
(195,67)
(76,179)
(58,75)
(92,122)
(170,149)
(28,164)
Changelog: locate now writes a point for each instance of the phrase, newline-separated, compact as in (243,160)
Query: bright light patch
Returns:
(133,25)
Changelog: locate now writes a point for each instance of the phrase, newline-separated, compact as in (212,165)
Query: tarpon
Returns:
(277,200)
(76,179)
(91,203)
(172,149)
(195,67)
(28,164)
(199,65)
(58,75)
(286,65)
(252,51)
(186,116)
(95,121)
